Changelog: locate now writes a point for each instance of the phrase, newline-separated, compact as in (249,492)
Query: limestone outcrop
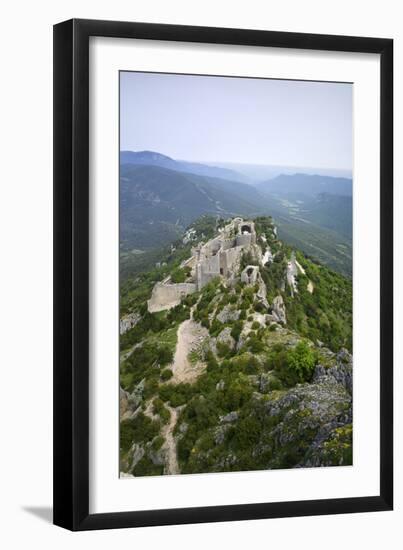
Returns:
(128,321)
(278,310)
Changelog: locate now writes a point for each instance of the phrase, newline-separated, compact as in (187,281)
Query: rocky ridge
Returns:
(266,397)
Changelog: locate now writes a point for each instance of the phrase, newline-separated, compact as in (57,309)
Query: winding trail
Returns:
(190,337)
(171,462)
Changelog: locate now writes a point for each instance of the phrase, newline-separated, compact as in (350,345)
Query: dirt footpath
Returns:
(190,336)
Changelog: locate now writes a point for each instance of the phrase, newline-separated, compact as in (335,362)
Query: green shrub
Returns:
(178,275)
(237,394)
(211,361)
(178,314)
(177,395)
(236,330)
(165,355)
(160,409)
(157,443)
(166,374)
(295,365)
(338,449)
(150,387)
(248,294)
(274,384)
(223,350)
(215,327)
(145,467)
(137,430)
(259,307)
(246,363)
(143,363)
(184,448)
(247,433)
(158,405)
(204,321)
(254,344)
(302,360)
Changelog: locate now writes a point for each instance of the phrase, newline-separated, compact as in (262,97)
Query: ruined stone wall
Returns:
(244,240)
(228,243)
(207,269)
(211,247)
(220,256)
(212,264)
(230,260)
(165,296)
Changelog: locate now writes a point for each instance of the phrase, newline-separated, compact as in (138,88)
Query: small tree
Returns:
(302,361)
(165,355)
(166,374)
(178,275)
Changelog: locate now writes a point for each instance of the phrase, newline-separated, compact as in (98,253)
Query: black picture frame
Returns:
(71,274)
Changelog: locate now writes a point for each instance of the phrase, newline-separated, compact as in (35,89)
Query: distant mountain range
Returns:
(151,158)
(157,203)
(161,196)
(261,172)
(305,185)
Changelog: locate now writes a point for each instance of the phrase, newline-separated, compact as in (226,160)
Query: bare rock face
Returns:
(341,372)
(227,314)
(183,428)
(130,402)
(137,454)
(136,396)
(129,321)
(278,310)
(307,425)
(158,458)
(316,418)
(262,292)
(220,385)
(225,338)
(230,417)
(268,382)
(123,401)
(219,434)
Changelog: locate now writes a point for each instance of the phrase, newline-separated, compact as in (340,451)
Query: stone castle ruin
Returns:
(220,256)
(250,275)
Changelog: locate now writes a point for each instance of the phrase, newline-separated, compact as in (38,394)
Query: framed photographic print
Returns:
(223,321)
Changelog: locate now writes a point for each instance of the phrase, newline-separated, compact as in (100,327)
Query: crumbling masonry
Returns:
(219,257)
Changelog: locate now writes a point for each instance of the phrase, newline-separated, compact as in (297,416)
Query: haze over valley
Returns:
(161,196)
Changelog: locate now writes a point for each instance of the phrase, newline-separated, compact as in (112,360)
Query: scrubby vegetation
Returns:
(326,313)
(267,386)
(141,428)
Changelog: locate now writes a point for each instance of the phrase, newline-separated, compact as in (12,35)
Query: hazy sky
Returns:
(243,120)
